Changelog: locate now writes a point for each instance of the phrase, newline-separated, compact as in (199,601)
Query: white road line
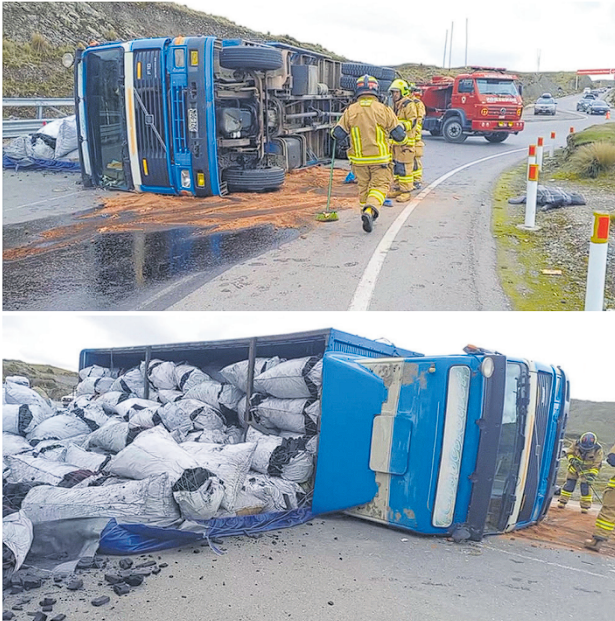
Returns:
(538,560)
(47,200)
(365,289)
(166,291)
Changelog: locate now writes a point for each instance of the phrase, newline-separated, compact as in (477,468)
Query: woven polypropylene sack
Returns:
(298,378)
(59,427)
(198,494)
(187,376)
(160,374)
(237,373)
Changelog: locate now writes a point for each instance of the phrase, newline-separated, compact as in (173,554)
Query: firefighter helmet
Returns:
(401,86)
(588,441)
(366,84)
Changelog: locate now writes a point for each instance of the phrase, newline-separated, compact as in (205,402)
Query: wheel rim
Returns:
(454,130)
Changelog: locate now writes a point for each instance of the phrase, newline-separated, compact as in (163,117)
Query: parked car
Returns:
(584,102)
(545,105)
(597,106)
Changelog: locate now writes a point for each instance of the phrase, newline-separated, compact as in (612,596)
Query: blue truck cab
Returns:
(465,445)
(202,116)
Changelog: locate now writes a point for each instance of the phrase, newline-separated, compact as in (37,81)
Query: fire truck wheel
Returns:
(496,137)
(254,180)
(453,130)
(256,58)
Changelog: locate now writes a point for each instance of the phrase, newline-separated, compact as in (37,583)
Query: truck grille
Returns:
(178,103)
(502,111)
(149,117)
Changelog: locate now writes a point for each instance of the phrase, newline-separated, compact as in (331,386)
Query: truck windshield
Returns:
(509,448)
(492,86)
(104,94)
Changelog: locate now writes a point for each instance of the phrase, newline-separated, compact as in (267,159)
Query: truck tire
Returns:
(388,74)
(496,136)
(253,179)
(383,85)
(348,82)
(358,70)
(452,130)
(246,57)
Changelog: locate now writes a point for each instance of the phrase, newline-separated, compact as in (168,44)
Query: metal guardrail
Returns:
(18,127)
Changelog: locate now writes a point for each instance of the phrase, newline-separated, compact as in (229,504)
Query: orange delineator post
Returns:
(539,150)
(596,268)
(530,197)
(552,144)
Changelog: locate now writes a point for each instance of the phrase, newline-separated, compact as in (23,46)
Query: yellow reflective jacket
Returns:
(420,111)
(611,482)
(406,112)
(591,461)
(368,123)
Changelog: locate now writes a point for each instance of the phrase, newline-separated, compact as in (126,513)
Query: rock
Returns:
(59,618)
(48,601)
(146,564)
(126,563)
(330,603)
(7,614)
(101,601)
(47,608)
(113,578)
(86,562)
(31,582)
(39,616)
(16,588)
(121,589)
(17,607)
(155,570)
(134,579)
(144,571)
(163,565)
(75,584)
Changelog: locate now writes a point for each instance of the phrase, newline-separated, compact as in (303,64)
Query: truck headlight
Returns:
(487,367)
(185,177)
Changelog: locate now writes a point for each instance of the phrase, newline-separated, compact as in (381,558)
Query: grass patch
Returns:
(522,255)
(594,133)
(592,160)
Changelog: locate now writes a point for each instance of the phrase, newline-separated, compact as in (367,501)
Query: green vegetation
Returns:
(592,160)
(53,381)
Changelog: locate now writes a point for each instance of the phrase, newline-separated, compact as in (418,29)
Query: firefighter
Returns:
(403,154)
(584,462)
(605,522)
(419,145)
(369,124)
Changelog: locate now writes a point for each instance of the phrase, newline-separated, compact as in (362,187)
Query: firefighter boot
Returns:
(584,510)
(594,543)
(404,197)
(368,220)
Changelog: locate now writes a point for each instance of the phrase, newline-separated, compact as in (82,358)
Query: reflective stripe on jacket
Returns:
(369,123)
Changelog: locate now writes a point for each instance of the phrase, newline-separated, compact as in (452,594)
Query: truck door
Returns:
(396,437)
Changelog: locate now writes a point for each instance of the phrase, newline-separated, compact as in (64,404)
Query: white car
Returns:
(545,105)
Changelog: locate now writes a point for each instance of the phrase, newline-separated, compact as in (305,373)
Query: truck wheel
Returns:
(253,179)
(496,136)
(358,70)
(388,74)
(246,57)
(453,130)
(383,85)
(348,82)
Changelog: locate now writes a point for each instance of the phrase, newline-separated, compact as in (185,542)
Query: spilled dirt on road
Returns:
(303,195)
(564,528)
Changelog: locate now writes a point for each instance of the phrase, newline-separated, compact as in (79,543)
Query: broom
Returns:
(329,215)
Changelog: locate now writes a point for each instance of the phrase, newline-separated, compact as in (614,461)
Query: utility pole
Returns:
(444,58)
(466,61)
(450,46)
(538,62)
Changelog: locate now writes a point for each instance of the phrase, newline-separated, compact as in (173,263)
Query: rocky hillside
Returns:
(37,34)
(49,381)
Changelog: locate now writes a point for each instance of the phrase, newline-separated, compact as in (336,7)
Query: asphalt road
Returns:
(345,569)
(441,258)
(440,254)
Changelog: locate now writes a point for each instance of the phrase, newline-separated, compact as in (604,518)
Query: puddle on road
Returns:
(119,271)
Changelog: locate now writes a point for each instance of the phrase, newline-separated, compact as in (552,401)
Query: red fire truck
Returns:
(484,102)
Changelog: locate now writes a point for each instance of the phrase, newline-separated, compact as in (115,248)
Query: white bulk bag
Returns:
(296,415)
(216,394)
(25,468)
(18,379)
(93,415)
(59,427)
(153,452)
(111,399)
(298,378)
(145,419)
(84,460)
(187,376)
(229,462)
(18,394)
(234,435)
(53,450)
(12,444)
(160,374)
(17,535)
(277,494)
(94,371)
(130,382)
(22,418)
(210,436)
(94,386)
(126,408)
(237,373)
(170,396)
(198,493)
(184,412)
(150,499)
(112,437)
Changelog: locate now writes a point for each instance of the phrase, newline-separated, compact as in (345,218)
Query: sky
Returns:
(583,344)
(566,35)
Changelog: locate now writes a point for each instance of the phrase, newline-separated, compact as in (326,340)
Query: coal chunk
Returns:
(121,589)
(75,584)
(32,582)
(7,614)
(48,601)
(39,616)
(146,564)
(101,601)
(155,570)
(134,580)
(126,563)
(59,618)
(113,578)
(163,565)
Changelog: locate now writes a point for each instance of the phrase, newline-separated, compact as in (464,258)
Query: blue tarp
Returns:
(128,538)
(33,163)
